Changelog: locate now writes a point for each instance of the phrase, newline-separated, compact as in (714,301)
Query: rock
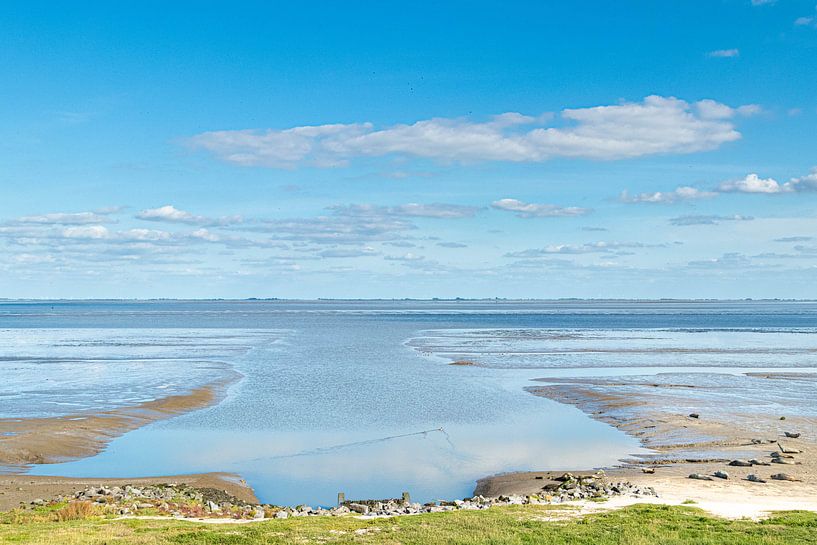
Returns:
(649,470)
(359,508)
(144,506)
(740,463)
(784,477)
(791,435)
(787,450)
(754,478)
(694,415)
(699,477)
(258,514)
(721,474)
(212,507)
(38,501)
(281,514)
(462,362)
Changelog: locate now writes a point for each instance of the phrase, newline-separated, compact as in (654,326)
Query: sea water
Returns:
(358,396)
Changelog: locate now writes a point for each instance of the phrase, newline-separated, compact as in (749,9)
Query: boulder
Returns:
(699,477)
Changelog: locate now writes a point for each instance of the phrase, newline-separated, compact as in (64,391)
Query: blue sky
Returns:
(395,149)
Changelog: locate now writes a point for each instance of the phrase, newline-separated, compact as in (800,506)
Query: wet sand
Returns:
(17,489)
(52,440)
(683,445)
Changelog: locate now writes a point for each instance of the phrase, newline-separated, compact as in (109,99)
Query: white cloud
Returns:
(707,220)
(346,252)
(752,183)
(171,214)
(804,183)
(405,257)
(451,245)
(86,232)
(65,218)
(803,21)
(412,210)
(724,53)
(600,247)
(656,125)
(682,193)
(531,210)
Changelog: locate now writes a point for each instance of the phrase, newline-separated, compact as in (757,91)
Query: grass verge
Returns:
(517,525)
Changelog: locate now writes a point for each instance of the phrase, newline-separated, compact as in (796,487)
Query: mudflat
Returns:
(721,448)
(51,440)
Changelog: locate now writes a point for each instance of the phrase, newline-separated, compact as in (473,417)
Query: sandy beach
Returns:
(696,443)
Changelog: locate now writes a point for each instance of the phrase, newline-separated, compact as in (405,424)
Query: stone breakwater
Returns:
(183,501)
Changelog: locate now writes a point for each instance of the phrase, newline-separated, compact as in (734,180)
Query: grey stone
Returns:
(699,477)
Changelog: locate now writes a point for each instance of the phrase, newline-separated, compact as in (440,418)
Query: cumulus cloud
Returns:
(86,232)
(171,214)
(707,220)
(656,125)
(531,210)
(753,183)
(682,193)
(724,53)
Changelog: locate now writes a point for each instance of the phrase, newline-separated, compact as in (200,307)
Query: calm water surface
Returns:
(351,396)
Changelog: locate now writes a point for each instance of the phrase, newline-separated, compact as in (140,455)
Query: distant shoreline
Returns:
(408,300)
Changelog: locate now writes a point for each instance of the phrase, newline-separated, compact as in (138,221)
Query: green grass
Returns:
(517,525)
